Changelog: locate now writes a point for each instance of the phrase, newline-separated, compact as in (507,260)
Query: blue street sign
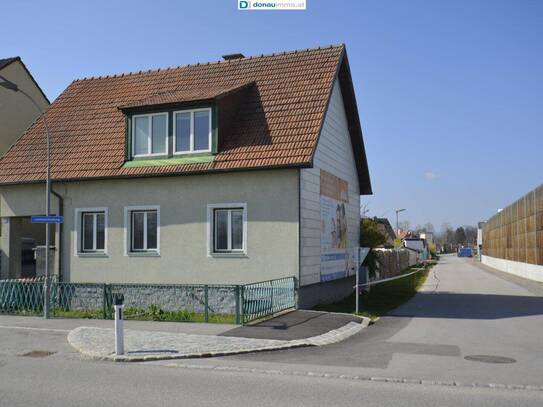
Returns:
(47,219)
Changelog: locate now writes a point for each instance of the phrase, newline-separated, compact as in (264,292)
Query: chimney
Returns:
(232,57)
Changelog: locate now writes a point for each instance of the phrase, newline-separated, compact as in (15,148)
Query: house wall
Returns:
(17,113)
(335,155)
(272,226)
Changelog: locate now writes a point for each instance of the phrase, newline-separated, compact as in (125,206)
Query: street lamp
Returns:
(46,286)
(397,228)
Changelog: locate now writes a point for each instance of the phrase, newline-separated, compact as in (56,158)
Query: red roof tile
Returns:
(278,121)
(208,92)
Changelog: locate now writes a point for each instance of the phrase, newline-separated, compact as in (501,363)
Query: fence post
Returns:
(242,305)
(271,297)
(206,303)
(104,301)
(236,293)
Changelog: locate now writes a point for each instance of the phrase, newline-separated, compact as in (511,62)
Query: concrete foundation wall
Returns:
(525,270)
(325,293)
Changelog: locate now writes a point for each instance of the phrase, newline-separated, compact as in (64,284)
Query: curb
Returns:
(330,337)
(339,376)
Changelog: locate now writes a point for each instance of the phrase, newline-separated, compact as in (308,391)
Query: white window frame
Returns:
(78,241)
(128,230)
(150,135)
(211,230)
(192,150)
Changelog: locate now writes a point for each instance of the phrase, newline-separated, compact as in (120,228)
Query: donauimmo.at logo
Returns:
(272,5)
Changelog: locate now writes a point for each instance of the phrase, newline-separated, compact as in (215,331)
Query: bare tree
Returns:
(404,225)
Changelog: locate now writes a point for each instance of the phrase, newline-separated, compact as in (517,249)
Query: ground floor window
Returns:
(143,226)
(91,224)
(227,229)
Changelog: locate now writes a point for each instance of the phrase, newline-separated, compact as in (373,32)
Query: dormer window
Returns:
(174,133)
(192,131)
(150,134)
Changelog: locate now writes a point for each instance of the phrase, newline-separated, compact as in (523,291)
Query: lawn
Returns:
(153,313)
(382,298)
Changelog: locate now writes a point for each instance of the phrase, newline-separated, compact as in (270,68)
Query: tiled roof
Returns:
(170,97)
(277,123)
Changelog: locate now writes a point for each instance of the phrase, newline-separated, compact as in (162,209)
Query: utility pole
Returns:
(397,227)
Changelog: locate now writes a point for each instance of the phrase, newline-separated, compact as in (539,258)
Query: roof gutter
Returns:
(164,174)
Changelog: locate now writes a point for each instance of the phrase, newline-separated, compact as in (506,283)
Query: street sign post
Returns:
(47,219)
(362,253)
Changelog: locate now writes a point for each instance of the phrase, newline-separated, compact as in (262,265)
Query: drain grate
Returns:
(37,354)
(490,359)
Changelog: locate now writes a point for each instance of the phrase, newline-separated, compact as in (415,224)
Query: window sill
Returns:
(91,254)
(164,161)
(227,255)
(143,254)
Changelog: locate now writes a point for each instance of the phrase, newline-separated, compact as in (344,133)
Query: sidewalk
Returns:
(149,340)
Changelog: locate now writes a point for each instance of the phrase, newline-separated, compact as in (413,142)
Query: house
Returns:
(417,245)
(231,172)
(386,230)
(17,112)
(428,237)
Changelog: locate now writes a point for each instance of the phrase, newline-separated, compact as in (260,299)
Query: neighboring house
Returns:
(428,237)
(418,245)
(236,171)
(386,229)
(402,234)
(17,113)
(414,243)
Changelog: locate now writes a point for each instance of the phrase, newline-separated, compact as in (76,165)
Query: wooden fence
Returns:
(516,233)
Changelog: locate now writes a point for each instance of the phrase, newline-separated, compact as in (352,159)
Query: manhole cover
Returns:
(490,359)
(37,354)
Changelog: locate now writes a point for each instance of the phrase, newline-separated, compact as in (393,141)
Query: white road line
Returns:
(30,328)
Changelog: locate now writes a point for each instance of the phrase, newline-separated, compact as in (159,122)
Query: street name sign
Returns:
(47,219)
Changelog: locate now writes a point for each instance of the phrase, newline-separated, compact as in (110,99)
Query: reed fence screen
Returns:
(516,233)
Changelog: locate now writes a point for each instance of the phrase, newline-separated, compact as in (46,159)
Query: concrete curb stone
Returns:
(94,343)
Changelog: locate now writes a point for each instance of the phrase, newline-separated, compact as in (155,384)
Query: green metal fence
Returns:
(266,298)
(173,302)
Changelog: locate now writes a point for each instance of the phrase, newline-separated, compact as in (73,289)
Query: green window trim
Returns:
(156,162)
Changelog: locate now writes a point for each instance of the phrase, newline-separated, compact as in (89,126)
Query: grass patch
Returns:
(382,298)
(153,313)
(75,313)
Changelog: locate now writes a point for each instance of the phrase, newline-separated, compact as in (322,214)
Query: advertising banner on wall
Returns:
(337,260)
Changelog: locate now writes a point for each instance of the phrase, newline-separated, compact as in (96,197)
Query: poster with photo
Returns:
(335,258)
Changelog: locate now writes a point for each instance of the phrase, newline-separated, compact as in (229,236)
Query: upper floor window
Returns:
(192,131)
(150,134)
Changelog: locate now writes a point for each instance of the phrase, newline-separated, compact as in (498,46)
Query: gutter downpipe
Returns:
(60,234)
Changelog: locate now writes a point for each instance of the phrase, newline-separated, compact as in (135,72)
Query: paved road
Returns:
(461,311)
(470,311)
(54,381)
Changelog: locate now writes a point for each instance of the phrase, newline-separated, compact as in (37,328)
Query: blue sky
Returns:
(449,92)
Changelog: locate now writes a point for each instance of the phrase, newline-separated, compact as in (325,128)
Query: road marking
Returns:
(30,328)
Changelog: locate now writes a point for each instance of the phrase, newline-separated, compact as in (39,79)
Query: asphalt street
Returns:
(462,311)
